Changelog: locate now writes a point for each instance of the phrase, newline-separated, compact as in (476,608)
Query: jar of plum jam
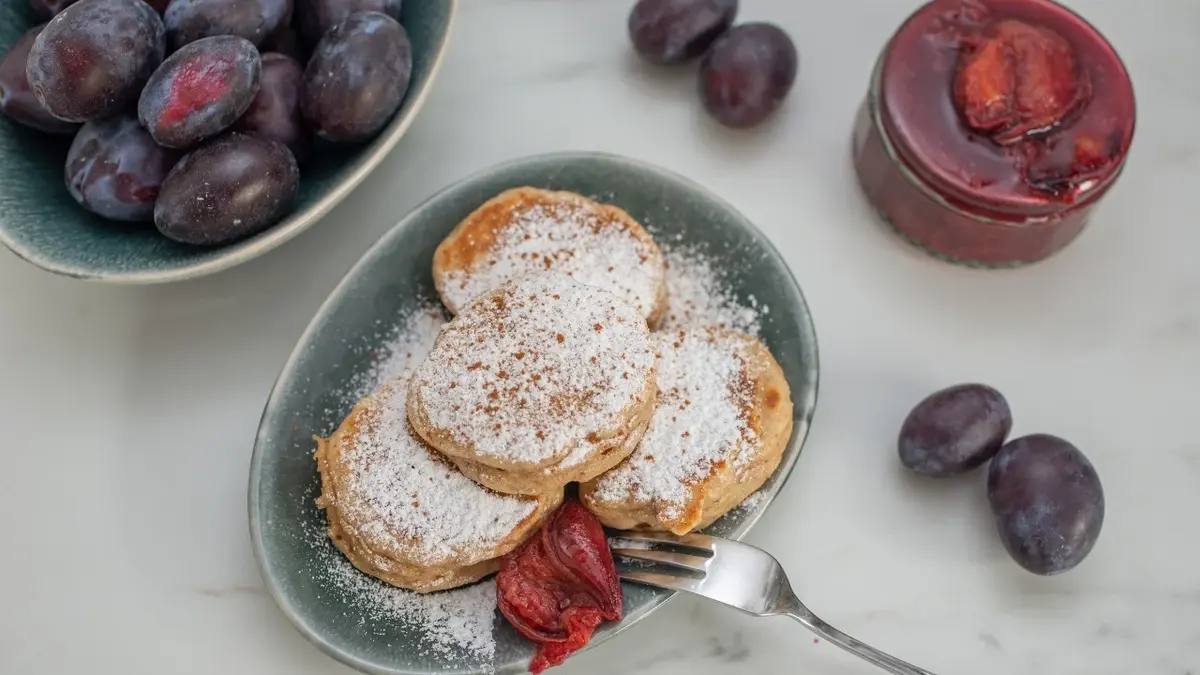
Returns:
(992,128)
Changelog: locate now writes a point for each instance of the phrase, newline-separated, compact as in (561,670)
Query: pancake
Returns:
(526,230)
(577,467)
(404,514)
(543,376)
(723,419)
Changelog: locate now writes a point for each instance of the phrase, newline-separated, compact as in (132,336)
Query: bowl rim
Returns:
(277,235)
(805,408)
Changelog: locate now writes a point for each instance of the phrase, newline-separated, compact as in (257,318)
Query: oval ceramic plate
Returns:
(336,353)
(41,223)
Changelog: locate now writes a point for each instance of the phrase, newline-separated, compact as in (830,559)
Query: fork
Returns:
(738,575)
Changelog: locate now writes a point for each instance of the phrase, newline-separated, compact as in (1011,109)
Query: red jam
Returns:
(992,128)
(560,585)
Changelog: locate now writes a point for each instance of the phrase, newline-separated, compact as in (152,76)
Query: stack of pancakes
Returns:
(549,374)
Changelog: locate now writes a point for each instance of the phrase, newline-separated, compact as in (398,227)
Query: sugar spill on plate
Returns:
(457,624)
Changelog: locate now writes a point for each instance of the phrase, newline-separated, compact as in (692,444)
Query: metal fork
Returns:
(738,575)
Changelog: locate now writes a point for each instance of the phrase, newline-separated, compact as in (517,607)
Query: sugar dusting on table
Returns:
(697,295)
(454,626)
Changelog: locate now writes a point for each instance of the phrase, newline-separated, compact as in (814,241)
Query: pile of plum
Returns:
(746,71)
(1044,493)
(196,114)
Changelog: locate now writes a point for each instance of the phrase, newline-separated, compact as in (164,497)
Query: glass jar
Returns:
(993,128)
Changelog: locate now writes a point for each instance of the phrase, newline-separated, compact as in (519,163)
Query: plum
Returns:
(275,111)
(92,60)
(357,77)
(16,98)
(228,189)
(200,90)
(114,169)
(954,430)
(1048,503)
(674,31)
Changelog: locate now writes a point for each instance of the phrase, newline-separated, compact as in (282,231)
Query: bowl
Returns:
(337,354)
(41,223)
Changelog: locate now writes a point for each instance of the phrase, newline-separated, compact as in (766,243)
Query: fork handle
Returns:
(864,651)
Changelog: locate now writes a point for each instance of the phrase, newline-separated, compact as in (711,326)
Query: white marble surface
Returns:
(129,413)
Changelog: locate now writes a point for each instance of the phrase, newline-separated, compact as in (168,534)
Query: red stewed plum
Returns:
(91,61)
(954,430)
(1048,502)
(200,90)
(317,17)
(674,31)
(1018,80)
(228,189)
(16,98)
(275,112)
(747,73)
(357,77)
(191,20)
(114,169)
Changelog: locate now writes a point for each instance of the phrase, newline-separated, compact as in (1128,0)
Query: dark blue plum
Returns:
(285,40)
(316,17)
(48,9)
(675,31)
(16,98)
(114,169)
(200,90)
(747,73)
(275,112)
(91,61)
(357,77)
(1047,501)
(254,20)
(954,430)
(228,189)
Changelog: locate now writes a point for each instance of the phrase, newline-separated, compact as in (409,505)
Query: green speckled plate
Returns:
(42,224)
(391,280)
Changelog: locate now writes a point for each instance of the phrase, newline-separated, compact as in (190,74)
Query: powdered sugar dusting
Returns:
(453,626)
(698,296)
(400,349)
(699,421)
(411,344)
(399,488)
(532,370)
(570,234)
(752,502)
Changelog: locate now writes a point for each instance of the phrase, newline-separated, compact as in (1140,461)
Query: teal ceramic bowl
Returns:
(41,223)
(337,353)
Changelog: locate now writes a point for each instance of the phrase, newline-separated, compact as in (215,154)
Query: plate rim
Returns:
(802,420)
(273,237)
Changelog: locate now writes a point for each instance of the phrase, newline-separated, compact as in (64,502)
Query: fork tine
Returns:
(694,563)
(664,581)
(700,541)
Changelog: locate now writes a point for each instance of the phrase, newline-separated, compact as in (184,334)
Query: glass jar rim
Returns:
(939,183)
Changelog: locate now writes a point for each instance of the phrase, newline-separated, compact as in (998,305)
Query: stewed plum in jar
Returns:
(992,128)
